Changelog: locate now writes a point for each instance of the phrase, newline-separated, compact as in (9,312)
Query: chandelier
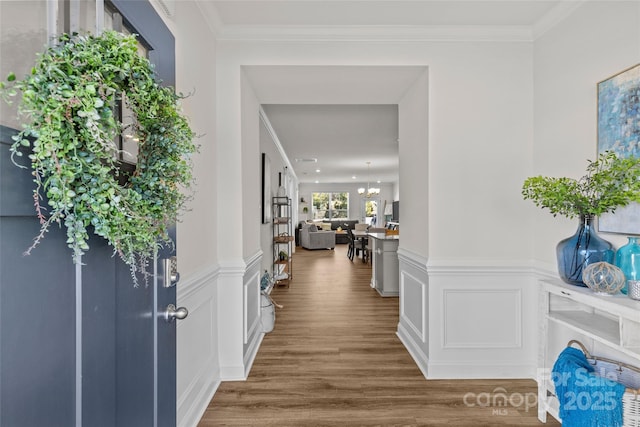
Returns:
(369,191)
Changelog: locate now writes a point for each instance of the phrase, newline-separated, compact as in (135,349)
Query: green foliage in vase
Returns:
(69,101)
(610,182)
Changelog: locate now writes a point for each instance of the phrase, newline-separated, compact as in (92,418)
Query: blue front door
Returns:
(82,346)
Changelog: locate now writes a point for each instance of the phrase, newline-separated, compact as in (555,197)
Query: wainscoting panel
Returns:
(251,298)
(483,321)
(413,325)
(485,318)
(412,310)
(476,320)
(252,330)
(198,368)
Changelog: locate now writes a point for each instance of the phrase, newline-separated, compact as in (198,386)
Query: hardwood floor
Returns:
(334,359)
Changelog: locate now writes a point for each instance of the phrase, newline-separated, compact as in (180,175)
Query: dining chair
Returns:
(352,244)
(366,253)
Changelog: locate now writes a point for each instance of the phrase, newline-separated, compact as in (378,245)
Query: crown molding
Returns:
(376,33)
(211,16)
(276,141)
(391,33)
(555,16)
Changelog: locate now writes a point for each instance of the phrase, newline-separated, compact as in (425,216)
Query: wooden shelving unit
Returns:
(283,239)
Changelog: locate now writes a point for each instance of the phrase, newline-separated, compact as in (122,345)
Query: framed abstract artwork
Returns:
(619,131)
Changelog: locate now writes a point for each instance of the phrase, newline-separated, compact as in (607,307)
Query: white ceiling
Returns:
(342,139)
(384,12)
(340,115)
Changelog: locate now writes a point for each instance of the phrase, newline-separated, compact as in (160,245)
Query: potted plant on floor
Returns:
(610,182)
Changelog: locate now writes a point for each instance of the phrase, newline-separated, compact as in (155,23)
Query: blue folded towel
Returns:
(586,400)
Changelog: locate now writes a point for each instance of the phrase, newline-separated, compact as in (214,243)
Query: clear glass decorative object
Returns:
(603,278)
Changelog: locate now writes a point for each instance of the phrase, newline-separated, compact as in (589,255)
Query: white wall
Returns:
(480,133)
(251,172)
(598,40)
(477,236)
(199,82)
(465,148)
(480,128)
(198,365)
(237,308)
(414,149)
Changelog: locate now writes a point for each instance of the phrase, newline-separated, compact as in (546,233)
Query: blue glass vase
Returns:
(583,248)
(628,260)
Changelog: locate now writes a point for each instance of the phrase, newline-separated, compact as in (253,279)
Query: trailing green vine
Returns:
(69,100)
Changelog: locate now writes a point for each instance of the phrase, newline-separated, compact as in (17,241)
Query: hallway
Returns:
(334,359)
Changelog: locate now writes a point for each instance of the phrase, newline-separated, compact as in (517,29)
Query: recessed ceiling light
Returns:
(317,182)
(353,177)
(318,170)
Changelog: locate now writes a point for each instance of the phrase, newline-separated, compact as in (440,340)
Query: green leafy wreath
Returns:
(70,98)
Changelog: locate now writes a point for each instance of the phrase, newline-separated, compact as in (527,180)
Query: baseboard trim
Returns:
(241,373)
(233,373)
(252,352)
(479,370)
(193,404)
(421,359)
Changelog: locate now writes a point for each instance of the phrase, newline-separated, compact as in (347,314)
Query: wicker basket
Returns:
(625,374)
(283,238)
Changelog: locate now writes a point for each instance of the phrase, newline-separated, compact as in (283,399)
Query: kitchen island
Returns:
(384,262)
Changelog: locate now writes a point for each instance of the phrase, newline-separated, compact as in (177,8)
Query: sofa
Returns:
(313,238)
(344,224)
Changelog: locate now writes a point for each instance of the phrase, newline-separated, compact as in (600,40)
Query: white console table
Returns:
(384,263)
(605,324)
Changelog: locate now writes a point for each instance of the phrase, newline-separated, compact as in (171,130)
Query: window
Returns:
(371,212)
(21,38)
(330,205)
(127,140)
